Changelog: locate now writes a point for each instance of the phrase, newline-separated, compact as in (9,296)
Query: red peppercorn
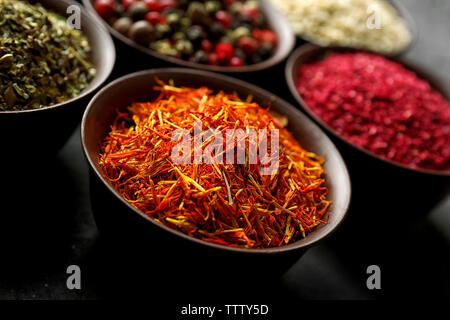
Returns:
(153,5)
(213,60)
(236,62)
(206,45)
(165,4)
(127,3)
(224,51)
(265,36)
(104,8)
(248,45)
(223,18)
(154,17)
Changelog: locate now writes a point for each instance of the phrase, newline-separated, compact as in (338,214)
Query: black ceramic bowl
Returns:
(151,58)
(120,221)
(33,134)
(371,173)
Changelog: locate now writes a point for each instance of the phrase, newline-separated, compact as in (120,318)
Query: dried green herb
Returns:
(42,60)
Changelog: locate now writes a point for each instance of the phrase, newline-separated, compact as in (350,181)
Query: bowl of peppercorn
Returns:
(389,117)
(216,35)
(51,62)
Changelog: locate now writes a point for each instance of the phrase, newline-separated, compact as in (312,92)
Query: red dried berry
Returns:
(154,17)
(224,51)
(206,45)
(236,62)
(104,8)
(223,18)
(213,60)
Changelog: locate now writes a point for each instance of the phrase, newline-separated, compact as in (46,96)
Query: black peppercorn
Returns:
(195,34)
(256,58)
(265,50)
(216,31)
(162,30)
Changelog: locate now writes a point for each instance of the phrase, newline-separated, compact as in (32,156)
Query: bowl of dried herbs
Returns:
(53,56)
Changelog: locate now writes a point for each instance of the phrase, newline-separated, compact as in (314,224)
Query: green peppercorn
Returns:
(141,32)
(137,11)
(226,39)
(178,36)
(173,20)
(265,50)
(230,34)
(216,31)
(184,47)
(164,47)
(241,32)
(252,4)
(185,23)
(162,30)
(123,25)
(213,6)
(235,8)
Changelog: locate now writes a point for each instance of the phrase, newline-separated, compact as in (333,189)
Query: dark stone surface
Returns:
(46,225)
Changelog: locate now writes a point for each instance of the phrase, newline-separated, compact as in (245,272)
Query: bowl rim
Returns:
(263,65)
(300,244)
(110,49)
(292,84)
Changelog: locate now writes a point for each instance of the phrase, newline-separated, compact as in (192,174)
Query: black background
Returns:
(46,225)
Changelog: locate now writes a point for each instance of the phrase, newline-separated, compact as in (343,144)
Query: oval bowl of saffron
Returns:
(116,217)
(392,180)
(34,134)
(138,57)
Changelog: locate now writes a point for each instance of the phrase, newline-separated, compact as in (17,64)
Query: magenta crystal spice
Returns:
(380,106)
